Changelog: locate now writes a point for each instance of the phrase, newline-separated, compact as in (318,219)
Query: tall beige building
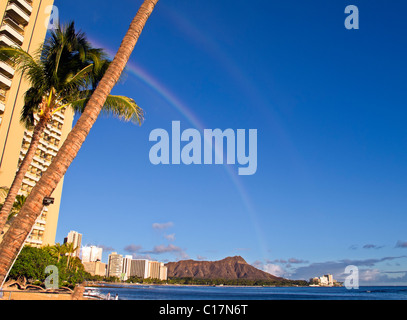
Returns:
(163,272)
(75,238)
(139,268)
(24,23)
(157,270)
(115,265)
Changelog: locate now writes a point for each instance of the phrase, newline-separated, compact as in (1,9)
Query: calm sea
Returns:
(169,292)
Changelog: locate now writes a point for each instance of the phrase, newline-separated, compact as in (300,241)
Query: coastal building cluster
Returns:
(119,266)
(126,267)
(326,280)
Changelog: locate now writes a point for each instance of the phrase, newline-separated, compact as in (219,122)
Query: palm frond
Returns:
(120,107)
(81,78)
(123,108)
(98,58)
(32,100)
(22,61)
(16,56)
(65,51)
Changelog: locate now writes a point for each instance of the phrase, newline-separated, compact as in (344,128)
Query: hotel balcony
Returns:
(2,101)
(6,69)
(33,241)
(5,82)
(37,227)
(25,5)
(59,132)
(39,160)
(53,147)
(54,135)
(26,139)
(3,94)
(6,41)
(15,11)
(60,115)
(60,120)
(42,147)
(40,220)
(31,176)
(29,182)
(12,32)
(23,151)
(52,153)
(37,165)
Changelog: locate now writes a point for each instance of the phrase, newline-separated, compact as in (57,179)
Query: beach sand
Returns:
(15,294)
(26,295)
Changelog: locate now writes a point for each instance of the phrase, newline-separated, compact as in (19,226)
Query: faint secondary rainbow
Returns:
(176,103)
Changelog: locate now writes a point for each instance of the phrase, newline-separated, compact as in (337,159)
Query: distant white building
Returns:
(326,280)
(91,254)
(126,267)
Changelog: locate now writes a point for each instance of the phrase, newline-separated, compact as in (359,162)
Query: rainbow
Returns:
(172,100)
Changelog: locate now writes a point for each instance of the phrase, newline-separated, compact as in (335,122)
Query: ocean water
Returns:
(171,292)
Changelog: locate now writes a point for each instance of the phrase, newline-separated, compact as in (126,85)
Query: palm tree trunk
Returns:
(22,170)
(15,237)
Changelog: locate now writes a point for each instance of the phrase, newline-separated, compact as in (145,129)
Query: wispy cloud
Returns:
(401,244)
(138,252)
(274,269)
(162,226)
(163,249)
(372,246)
(289,261)
(170,237)
(132,248)
(105,248)
(368,270)
(142,256)
(296,261)
(160,249)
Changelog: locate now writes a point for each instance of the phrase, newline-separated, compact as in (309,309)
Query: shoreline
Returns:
(53,296)
(115,285)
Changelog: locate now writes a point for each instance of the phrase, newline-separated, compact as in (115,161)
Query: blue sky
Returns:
(329,108)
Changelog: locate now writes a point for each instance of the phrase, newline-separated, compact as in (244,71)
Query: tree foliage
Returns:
(31,264)
(238,282)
